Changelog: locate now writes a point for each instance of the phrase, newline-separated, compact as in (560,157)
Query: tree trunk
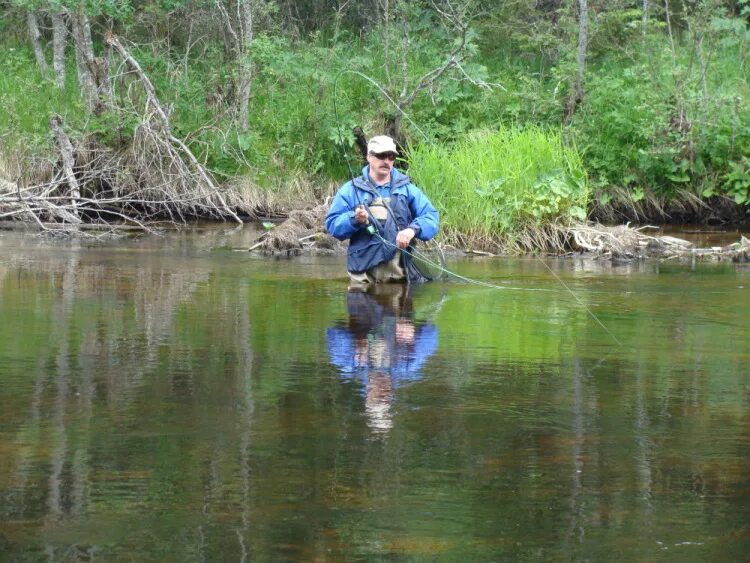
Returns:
(36,44)
(669,30)
(84,55)
(583,32)
(644,16)
(245,65)
(231,41)
(385,5)
(68,163)
(360,141)
(704,68)
(93,72)
(102,81)
(59,43)
(393,129)
(576,96)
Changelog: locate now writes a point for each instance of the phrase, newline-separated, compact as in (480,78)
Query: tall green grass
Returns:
(500,183)
(28,101)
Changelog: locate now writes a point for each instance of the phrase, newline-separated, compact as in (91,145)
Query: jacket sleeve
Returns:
(426,217)
(340,222)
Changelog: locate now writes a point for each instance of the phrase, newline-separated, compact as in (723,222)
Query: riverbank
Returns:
(651,141)
(304,233)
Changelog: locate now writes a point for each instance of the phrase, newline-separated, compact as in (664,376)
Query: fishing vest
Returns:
(367,251)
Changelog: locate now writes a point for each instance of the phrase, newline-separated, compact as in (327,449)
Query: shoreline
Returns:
(302,234)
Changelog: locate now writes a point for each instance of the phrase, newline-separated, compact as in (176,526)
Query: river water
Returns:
(165,398)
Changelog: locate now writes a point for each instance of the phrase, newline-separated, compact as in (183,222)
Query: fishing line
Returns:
(419,256)
(414,253)
(581,303)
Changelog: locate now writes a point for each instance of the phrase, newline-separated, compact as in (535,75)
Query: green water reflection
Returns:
(162,401)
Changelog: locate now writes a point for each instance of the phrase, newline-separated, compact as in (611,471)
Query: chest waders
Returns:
(380,210)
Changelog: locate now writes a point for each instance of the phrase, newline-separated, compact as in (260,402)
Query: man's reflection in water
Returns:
(381,346)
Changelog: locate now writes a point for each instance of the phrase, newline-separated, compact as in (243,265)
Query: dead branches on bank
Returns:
(303,231)
(176,159)
(65,147)
(626,243)
(68,202)
(93,187)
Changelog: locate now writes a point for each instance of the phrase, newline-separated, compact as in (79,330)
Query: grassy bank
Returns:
(499,187)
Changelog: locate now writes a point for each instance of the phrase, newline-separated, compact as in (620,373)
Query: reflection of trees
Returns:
(246,408)
(584,455)
(644,445)
(62,381)
(78,355)
(56,385)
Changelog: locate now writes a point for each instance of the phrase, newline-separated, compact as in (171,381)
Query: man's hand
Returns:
(403,238)
(361,215)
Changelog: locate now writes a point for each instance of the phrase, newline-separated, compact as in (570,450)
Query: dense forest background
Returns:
(259,102)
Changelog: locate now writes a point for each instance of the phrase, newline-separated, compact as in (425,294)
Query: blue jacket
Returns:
(410,206)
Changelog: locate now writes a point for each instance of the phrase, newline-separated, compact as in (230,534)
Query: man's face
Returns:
(381,164)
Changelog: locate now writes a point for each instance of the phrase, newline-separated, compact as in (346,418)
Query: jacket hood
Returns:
(398,178)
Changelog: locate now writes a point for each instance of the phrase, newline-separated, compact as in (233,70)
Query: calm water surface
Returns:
(160,400)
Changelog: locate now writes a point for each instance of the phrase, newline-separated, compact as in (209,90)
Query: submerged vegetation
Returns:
(518,115)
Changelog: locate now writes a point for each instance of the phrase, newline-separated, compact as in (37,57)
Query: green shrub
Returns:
(650,125)
(28,101)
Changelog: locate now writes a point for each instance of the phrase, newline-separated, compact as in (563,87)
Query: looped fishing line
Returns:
(419,256)
(414,253)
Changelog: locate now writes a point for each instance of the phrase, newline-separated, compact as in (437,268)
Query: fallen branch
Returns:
(624,242)
(174,148)
(68,162)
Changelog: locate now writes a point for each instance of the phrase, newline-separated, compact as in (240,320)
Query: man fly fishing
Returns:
(381,213)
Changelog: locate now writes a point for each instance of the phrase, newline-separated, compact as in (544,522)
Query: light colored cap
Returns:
(381,144)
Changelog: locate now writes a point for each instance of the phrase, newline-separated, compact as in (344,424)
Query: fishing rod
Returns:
(413,252)
(371,228)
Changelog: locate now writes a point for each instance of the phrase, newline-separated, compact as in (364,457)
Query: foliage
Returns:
(28,101)
(737,180)
(657,118)
(500,182)
(650,125)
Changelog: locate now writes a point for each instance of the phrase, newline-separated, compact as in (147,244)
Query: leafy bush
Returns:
(650,126)
(28,101)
